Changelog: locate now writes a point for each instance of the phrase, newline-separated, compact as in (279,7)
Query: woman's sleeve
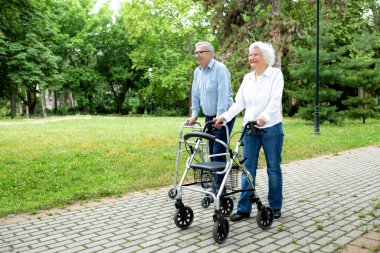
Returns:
(274,104)
(238,106)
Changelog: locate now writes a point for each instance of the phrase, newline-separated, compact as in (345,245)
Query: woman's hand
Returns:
(218,122)
(261,121)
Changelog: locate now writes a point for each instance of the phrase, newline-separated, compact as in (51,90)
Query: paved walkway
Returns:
(329,202)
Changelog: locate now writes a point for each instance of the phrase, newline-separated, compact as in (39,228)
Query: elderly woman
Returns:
(260,95)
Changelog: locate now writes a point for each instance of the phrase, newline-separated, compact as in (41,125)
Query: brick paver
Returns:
(368,243)
(329,203)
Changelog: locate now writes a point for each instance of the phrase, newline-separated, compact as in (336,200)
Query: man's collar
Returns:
(210,64)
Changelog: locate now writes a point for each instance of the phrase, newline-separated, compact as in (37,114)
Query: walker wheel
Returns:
(264,217)
(206,201)
(220,230)
(172,193)
(227,206)
(183,217)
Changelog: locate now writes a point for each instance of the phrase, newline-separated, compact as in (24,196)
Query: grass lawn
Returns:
(57,161)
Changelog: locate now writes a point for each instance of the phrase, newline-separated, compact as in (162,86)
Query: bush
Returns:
(102,109)
(326,113)
(171,112)
(139,109)
(67,111)
(5,112)
(126,108)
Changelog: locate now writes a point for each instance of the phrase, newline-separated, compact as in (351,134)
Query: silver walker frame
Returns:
(223,204)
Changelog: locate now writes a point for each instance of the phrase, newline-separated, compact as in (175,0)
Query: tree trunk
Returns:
(121,98)
(70,99)
(361,94)
(55,102)
(376,17)
(43,102)
(62,100)
(276,32)
(276,7)
(13,104)
(26,107)
(31,99)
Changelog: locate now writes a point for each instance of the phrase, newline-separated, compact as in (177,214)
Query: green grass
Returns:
(45,164)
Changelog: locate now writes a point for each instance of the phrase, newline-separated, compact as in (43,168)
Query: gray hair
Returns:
(266,49)
(209,46)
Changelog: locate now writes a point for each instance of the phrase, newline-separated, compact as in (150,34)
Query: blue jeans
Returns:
(216,148)
(271,141)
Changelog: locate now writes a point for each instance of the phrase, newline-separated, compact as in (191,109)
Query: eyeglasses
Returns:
(201,52)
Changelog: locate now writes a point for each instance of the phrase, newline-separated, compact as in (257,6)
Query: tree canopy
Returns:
(62,56)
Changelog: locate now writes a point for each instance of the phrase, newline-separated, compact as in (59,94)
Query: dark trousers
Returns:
(217,148)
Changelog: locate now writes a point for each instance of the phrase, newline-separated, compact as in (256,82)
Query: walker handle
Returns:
(251,125)
(206,136)
(209,126)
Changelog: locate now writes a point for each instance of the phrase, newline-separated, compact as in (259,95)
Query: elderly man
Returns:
(211,92)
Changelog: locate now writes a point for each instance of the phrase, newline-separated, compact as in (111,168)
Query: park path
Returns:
(329,203)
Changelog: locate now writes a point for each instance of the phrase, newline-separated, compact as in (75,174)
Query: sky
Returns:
(114,4)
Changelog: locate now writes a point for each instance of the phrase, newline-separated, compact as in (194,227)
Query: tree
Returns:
(26,59)
(115,65)
(361,71)
(98,62)
(349,67)
(237,24)
(32,66)
(82,86)
(162,35)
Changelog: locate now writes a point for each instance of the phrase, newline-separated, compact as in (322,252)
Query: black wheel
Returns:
(220,230)
(206,201)
(265,217)
(227,206)
(183,217)
(172,193)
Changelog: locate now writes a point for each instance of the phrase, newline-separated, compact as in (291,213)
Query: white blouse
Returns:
(261,97)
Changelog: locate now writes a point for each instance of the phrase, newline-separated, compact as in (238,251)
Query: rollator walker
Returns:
(199,164)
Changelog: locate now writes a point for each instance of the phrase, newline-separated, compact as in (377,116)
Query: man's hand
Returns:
(218,122)
(191,121)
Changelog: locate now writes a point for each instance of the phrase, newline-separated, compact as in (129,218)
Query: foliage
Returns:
(290,27)
(77,45)
(26,58)
(237,24)
(94,61)
(349,67)
(114,64)
(162,35)
(32,66)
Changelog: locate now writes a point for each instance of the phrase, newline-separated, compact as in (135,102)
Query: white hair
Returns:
(208,44)
(267,51)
